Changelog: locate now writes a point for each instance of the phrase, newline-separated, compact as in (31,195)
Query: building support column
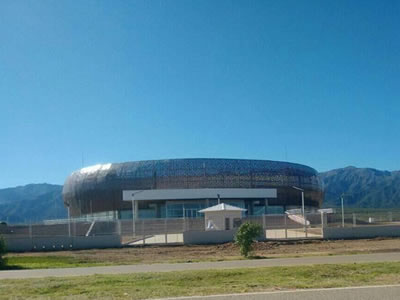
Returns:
(133,218)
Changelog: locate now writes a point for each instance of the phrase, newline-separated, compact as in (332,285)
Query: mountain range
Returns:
(361,187)
(31,203)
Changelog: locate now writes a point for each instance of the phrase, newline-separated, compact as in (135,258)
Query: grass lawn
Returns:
(51,261)
(156,285)
(55,261)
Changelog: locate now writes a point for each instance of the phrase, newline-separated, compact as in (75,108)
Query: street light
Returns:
(342,201)
(302,206)
(69,220)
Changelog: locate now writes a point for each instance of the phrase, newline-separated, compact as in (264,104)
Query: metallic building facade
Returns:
(99,188)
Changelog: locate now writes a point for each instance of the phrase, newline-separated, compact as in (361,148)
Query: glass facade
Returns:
(187,209)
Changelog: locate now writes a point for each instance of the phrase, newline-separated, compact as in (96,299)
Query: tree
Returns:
(2,251)
(245,237)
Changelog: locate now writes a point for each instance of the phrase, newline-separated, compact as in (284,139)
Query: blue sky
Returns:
(313,82)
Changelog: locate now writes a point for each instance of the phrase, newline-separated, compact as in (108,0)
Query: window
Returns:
(237,222)
(227,224)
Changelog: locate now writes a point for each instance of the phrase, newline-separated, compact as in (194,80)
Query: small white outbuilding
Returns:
(222,217)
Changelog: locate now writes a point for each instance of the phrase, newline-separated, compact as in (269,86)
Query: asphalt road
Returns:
(388,292)
(126,269)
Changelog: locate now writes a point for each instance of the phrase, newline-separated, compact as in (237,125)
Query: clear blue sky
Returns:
(313,82)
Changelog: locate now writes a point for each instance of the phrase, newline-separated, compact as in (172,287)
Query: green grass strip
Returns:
(186,283)
(46,262)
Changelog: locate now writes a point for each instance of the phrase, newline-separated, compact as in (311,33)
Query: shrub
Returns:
(2,251)
(246,235)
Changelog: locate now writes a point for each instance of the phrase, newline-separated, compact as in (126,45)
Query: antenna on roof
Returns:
(219,199)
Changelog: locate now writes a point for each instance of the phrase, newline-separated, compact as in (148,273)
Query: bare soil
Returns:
(228,251)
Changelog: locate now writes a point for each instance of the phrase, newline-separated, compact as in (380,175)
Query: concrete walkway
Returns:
(126,269)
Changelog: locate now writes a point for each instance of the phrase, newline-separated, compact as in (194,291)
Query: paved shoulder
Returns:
(125,269)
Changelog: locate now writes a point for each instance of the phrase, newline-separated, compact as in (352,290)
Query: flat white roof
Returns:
(222,207)
(182,194)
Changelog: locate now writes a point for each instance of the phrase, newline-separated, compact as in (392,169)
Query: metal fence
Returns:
(152,231)
(363,218)
(286,226)
(167,231)
(94,228)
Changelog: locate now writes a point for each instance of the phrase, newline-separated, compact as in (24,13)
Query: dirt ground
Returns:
(228,251)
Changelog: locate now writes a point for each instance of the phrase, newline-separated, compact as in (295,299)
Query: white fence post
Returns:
(30,230)
(285,226)
(264,222)
(305,225)
(69,227)
(166,230)
(30,234)
(322,224)
(143,233)
(119,229)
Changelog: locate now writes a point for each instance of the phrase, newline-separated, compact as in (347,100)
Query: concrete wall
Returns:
(62,243)
(360,232)
(208,237)
(211,237)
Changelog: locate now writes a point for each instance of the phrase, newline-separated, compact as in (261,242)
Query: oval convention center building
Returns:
(179,188)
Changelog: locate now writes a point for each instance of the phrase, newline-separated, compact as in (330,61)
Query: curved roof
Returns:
(192,166)
(185,167)
(104,183)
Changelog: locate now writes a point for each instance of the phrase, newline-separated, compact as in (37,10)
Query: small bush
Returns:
(3,251)
(246,235)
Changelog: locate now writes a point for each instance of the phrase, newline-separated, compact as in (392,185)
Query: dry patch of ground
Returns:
(195,253)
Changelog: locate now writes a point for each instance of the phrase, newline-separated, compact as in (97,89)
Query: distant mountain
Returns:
(31,203)
(363,187)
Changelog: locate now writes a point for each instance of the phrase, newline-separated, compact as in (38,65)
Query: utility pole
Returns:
(69,221)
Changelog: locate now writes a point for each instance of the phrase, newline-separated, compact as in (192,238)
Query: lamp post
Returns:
(69,221)
(302,206)
(133,217)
